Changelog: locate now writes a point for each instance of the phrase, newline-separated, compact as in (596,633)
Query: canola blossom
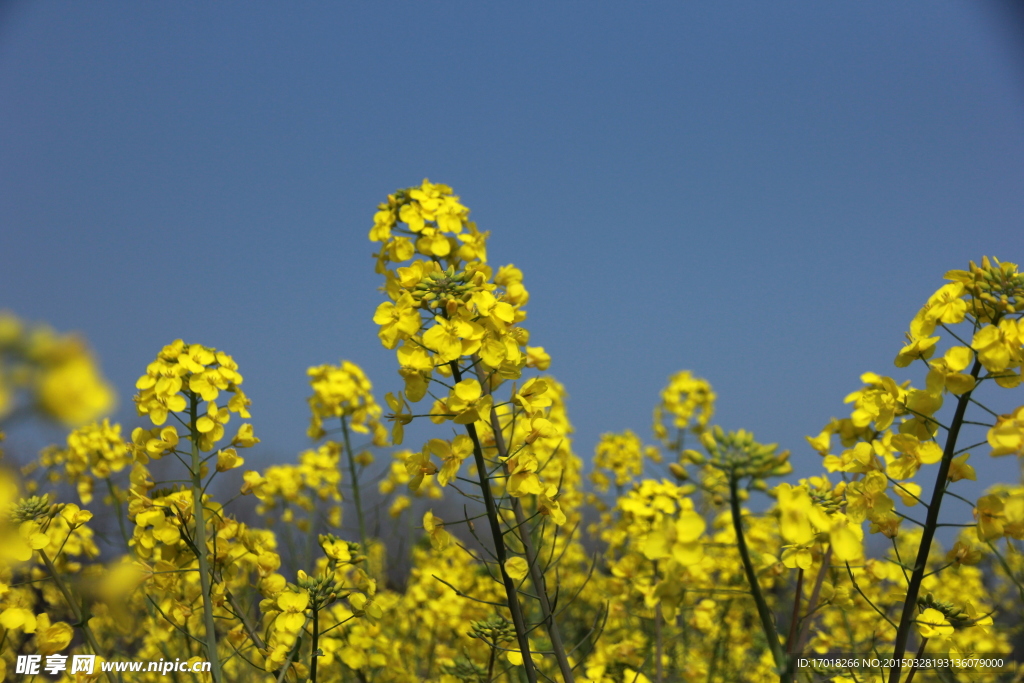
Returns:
(492,551)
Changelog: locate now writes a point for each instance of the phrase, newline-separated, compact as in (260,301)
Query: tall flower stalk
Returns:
(184,383)
(448,315)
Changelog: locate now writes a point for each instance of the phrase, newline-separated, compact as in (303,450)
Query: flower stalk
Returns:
(928,533)
(494,523)
(536,571)
(200,540)
(763,612)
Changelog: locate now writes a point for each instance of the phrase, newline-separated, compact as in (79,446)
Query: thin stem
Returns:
(812,604)
(200,541)
(240,613)
(791,639)
(499,545)
(286,667)
(917,658)
(959,497)
(536,571)
(866,598)
(120,511)
(928,533)
(767,623)
(903,567)
(83,623)
(658,624)
(315,655)
(355,482)
(1006,568)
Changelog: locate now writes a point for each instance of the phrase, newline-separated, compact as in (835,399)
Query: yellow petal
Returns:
(516,567)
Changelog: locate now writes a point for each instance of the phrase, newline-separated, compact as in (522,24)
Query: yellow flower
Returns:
(537,357)
(959,469)
(914,349)
(963,553)
(620,454)
(932,624)
(452,454)
(947,371)
(532,396)
(989,513)
(434,526)
(688,402)
(548,506)
(52,638)
(398,321)
(245,437)
(516,568)
(400,416)
(468,402)
(341,391)
(74,391)
(228,459)
(418,466)
(202,372)
(18,619)
(523,479)
(451,339)
(1007,435)
(400,505)
(211,425)
(293,612)
(999,346)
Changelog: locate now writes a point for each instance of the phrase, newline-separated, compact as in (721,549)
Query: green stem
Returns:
(200,540)
(719,644)
(355,483)
(536,571)
(928,533)
(917,658)
(812,604)
(767,622)
(1006,568)
(316,638)
(791,639)
(83,623)
(120,511)
(658,641)
(499,545)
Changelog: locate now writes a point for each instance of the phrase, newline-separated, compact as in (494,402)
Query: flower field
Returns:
(524,560)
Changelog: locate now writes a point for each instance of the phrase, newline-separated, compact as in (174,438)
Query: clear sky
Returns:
(763,193)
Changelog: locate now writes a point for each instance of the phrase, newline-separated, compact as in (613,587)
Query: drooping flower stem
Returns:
(928,533)
(494,522)
(200,539)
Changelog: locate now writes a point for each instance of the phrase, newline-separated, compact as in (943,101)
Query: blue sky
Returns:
(763,193)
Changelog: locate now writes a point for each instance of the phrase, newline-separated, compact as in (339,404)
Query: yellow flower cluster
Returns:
(55,374)
(682,578)
(344,390)
(622,456)
(315,480)
(94,451)
(184,375)
(687,403)
(448,304)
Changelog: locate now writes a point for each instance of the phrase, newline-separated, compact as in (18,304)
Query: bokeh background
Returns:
(763,193)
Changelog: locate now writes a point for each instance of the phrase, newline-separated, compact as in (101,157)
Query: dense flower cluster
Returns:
(54,374)
(701,565)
